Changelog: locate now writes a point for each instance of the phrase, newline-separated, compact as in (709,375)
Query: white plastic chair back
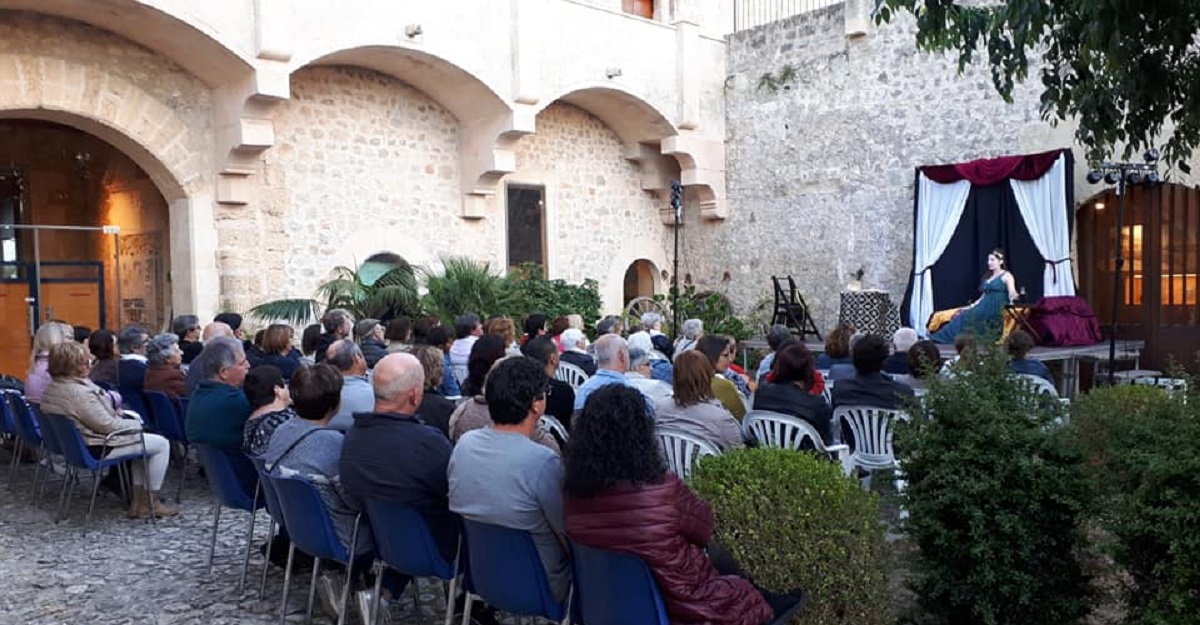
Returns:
(785,431)
(571,374)
(1039,384)
(827,393)
(873,429)
(683,450)
(1170,384)
(461,373)
(553,426)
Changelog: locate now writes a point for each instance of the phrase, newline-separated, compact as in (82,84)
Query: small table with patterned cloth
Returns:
(870,311)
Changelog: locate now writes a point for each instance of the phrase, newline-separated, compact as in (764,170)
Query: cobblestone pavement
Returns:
(128,572)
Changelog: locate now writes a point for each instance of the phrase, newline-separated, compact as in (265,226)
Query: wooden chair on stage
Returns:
(792,311)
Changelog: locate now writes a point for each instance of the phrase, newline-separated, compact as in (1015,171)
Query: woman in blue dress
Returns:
(985,316)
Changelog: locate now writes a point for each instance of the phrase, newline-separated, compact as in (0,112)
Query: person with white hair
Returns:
(689,333)
(574,344)
(660,365)
(897,361)
(612,361)
(164,374)
(641,376)
(650,324)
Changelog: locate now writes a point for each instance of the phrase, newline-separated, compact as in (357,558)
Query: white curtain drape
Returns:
(1043,205)
(939,209)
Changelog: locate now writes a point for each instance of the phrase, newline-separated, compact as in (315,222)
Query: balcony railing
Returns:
(749,14)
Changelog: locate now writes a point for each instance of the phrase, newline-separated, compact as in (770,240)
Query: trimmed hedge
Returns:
(794,520)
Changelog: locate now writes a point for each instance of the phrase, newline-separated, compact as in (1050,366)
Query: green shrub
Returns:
(710,307)
(463,286)
(794,520)
(525,291)
(1143,452)
(996,496)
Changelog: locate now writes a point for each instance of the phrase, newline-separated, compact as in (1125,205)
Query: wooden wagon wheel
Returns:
(642,305)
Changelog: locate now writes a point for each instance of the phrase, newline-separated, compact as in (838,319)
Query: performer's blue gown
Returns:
(985,319)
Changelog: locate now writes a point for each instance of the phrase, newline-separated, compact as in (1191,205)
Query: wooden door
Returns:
(640,8)
(74,303)
(15,341)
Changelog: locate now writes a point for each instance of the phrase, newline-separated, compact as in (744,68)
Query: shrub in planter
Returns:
(794,520)
(996,496)
(1143,451)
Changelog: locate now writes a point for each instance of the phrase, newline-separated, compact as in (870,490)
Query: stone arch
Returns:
(629,115)
(488,126)
(642,279)
(179,36)
(612,294)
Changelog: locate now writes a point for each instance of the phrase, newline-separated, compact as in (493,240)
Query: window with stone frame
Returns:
(526,225)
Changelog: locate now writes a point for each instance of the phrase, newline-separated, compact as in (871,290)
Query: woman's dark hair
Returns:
(101,343)
(794,363)
(310,339)
(486,351)
(513,387)
(837,342)
(712,346)
(260,385)
(541,349)
(438,337)
(924,359)
(421,328)
(398,329)
(316,391)
(82,334)
(870,352)
(534,324)
(693,379)
(559,325)
(1019,343)
(612,442)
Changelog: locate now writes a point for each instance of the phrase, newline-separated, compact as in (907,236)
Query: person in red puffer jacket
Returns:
(620,497)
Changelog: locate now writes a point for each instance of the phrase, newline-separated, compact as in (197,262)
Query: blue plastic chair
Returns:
(267,490)
(311,529)
(169,418)
(9,423)
(29,436)
(615,589)
(136,402)
(52,447)
(504,569)
(78,456)
(223,479)
(405,544)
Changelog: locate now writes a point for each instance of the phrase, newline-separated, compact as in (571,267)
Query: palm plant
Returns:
(463,286)
(376,290)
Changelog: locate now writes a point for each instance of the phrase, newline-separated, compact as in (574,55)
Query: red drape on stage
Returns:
(994,170)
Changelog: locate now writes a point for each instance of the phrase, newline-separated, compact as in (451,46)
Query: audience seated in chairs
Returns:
(1019,343)
(869,386)
(434,409)
(504,328)
(558,325)
(641,376)
(484,353)
(498,475)
(306,447)
(575,351)
(897,361)
(38,377)
(660,365)
(467,330)
(337,324)
(612,361)
(790,391)
(347,358)
(103,346)
(277,350)
(534,326)
(689,334)
(720,351)
(924,362)
(131,370)
(308,344)
(561,402)
(818,385)
(439,337)
(620,497)
(164,375)
(195,372)
(270,406)
(966,348)
(776,337)
(187,328)
(369,334)
(837,347)
(474,413)
(218,410)
(694,409)
(73,395)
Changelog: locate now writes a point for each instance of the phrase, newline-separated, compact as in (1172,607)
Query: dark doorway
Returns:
(526,209)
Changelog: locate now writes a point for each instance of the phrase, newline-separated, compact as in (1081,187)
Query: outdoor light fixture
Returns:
(1121,175)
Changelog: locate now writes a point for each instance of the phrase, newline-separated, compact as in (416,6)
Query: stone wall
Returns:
(821,170)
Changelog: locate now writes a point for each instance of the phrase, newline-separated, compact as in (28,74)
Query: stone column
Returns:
(195,284)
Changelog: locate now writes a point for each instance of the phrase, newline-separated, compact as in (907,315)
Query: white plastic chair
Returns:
(683,450)
(1171,385)
(571,374)
(785,431)
(553,426)
(873,430)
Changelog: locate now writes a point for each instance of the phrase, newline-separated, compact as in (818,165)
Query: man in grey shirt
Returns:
(357,395)
(499,476)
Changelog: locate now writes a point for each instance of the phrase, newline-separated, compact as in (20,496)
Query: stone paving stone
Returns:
(129,572)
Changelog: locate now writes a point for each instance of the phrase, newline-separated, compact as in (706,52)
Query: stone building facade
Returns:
(284,137)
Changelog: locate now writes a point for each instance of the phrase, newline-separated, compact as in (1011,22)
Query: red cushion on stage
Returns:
(1064,321)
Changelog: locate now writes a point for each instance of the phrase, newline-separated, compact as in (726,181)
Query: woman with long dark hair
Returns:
(985,316)
(620,497)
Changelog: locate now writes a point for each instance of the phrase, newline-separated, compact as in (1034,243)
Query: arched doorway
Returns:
(1160,291)
(63,191)
(639,280)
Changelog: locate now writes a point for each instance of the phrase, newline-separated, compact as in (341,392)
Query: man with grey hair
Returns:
(640,376)
(612,361)
(775,338)
(574,345)
(195,373)
(218,409)
(338,324)
(897,361)
(651,328)
(131,370)
(164,375)
(689,334)
(357,396)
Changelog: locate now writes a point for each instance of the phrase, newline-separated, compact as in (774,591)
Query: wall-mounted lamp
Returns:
(1099,206)
(413,30)
(612,72)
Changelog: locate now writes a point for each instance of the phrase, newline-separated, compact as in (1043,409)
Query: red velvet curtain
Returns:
(991,171)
